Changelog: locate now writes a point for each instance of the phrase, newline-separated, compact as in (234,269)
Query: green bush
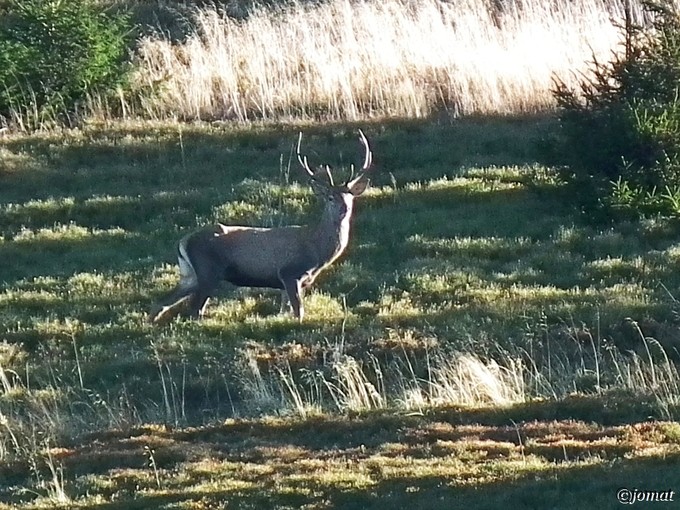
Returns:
(621,128)
(53,53)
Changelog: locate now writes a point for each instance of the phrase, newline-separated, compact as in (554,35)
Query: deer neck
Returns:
(332,234)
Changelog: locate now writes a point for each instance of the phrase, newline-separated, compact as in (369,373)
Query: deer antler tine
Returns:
(368,160)
(303,159)
(330,176)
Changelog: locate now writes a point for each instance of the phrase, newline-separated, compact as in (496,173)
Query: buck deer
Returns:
(287,258)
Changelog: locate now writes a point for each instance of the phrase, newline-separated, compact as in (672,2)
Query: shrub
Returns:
(622,126)
(53,53)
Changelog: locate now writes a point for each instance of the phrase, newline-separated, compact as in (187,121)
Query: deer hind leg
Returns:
(209,275)
(168,306)
(196,296)
(197,304)
(187,287)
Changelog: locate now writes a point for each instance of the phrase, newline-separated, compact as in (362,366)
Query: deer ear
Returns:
(358,186)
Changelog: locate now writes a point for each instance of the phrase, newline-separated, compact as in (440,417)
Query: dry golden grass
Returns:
(356,59)
(374,460)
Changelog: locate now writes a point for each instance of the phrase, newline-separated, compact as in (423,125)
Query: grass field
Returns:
(480,342)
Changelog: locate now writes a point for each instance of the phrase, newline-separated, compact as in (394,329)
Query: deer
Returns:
(288,258)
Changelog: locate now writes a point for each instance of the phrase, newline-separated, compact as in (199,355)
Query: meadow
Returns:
(487,305)
(482,342)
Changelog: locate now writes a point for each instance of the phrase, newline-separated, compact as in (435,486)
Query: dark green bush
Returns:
(621,128)
(53,53)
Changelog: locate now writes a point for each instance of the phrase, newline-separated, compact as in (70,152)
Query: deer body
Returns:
(287,258)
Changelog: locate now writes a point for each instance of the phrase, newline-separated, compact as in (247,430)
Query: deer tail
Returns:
(187,273)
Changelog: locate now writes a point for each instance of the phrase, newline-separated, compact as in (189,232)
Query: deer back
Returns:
(255,255)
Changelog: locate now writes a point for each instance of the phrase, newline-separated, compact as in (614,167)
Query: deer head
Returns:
(338,197)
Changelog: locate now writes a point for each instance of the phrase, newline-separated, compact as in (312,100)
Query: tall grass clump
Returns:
(467,378)
(621,124)
(54,55)
(347,59)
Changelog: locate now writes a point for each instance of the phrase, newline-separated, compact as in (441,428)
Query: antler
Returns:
(368,160)
(305,165)
(303,159)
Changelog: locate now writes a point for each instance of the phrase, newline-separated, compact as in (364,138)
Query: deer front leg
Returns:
(285,303)
(293,290)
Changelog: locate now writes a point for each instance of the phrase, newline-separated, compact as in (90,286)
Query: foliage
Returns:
(622,126)
(54,53)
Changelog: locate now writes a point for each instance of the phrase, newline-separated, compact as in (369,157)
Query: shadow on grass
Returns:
(485,232)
